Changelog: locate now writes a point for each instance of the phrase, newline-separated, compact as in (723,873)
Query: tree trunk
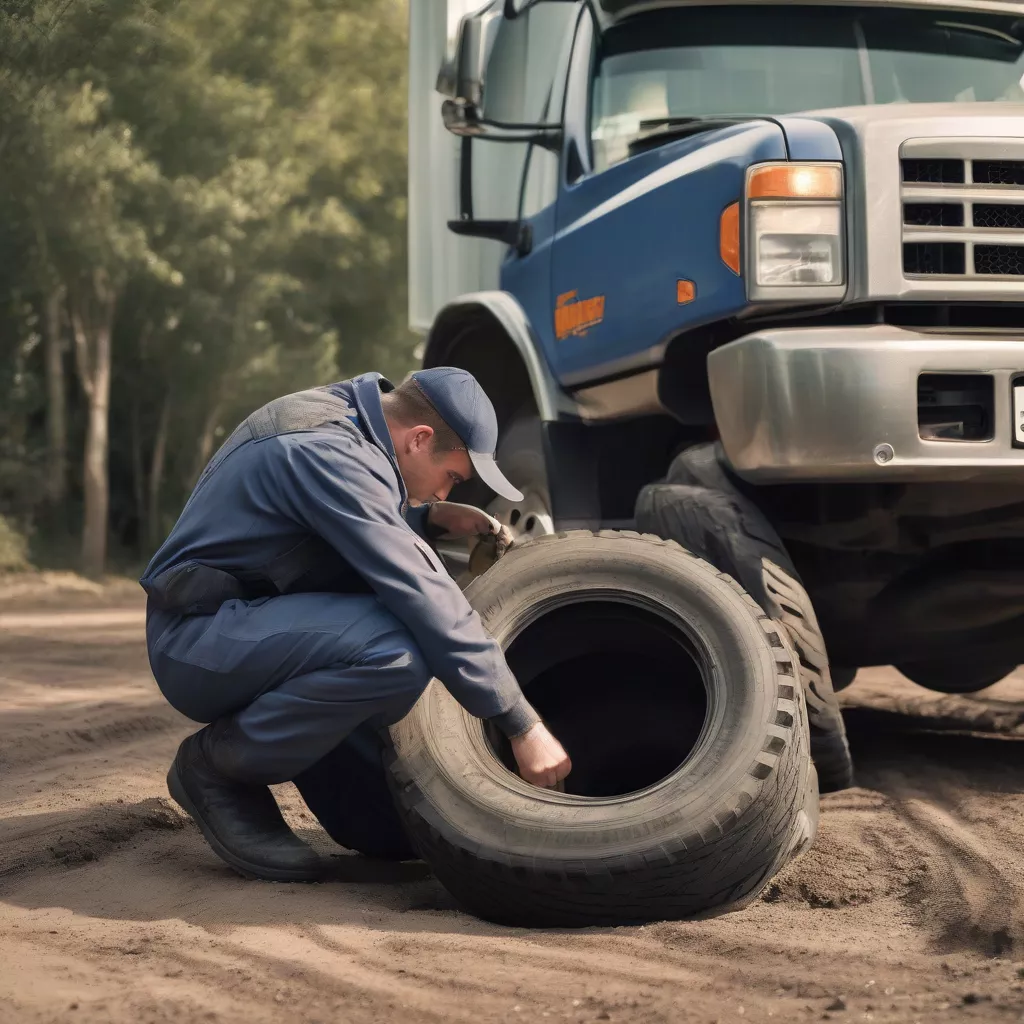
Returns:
(139,489)
(156,473)
(138,478)
(56,406)
(92,320)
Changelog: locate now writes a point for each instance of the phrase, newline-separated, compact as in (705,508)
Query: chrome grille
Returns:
(963,216)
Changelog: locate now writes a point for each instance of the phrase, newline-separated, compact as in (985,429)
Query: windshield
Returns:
(715,61)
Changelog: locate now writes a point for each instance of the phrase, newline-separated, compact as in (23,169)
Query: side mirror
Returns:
(462,79)
(462,76)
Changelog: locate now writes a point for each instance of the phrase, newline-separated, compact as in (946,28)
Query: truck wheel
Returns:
(702,510)
(521,458)
(676,698)
(955,674)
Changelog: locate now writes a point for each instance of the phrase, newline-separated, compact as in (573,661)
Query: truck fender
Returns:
(498,316)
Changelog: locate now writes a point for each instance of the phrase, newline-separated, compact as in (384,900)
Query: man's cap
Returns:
(465,407)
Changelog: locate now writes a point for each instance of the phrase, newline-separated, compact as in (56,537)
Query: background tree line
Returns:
(202,206)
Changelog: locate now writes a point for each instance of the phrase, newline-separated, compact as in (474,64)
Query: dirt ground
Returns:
(910,906)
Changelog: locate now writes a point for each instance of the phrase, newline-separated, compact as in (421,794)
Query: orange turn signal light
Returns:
(686,291)
(729,237)
(796,181)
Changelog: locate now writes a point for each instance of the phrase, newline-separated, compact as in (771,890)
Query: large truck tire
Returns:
(677,700)
(699,507)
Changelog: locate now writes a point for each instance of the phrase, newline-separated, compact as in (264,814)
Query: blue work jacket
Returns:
(306,495)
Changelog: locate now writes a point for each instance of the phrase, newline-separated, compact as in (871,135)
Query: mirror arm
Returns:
(512,232)
(466,178)
(462,118)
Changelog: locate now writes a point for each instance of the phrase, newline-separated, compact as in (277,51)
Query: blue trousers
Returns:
(311,681)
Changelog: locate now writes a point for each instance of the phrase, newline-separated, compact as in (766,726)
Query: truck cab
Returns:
(786,236)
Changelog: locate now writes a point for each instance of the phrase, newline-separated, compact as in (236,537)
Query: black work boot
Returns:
(241,821)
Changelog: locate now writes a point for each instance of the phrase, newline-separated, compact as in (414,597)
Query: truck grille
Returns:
(934,172)
(998,215)
(1004,260)
(998,172)
(962,217)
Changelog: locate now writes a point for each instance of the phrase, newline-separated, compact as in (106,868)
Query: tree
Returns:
(93,205)
(208,200)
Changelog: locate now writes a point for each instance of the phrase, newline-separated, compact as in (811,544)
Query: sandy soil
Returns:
(910,906)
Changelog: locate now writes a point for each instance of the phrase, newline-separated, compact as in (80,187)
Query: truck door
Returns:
(606,262)
(636,253)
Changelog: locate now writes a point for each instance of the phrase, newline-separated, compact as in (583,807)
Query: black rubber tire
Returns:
(701,508)
(708,837)
(955,674)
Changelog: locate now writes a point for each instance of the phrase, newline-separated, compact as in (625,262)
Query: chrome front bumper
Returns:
(841,404)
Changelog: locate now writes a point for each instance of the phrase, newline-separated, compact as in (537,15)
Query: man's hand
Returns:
(467,521)
(540,757)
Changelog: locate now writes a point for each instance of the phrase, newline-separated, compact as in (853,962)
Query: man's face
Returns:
(428,475)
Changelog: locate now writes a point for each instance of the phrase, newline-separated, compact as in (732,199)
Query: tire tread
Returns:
(701,508)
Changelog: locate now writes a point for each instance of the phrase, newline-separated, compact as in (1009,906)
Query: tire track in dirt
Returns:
(971,893)
(947,766)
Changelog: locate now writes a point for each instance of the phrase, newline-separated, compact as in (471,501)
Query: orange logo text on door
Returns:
(575,316)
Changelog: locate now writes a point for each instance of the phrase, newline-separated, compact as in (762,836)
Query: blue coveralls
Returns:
(298,592)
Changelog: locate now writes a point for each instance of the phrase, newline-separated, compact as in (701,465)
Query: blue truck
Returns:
(749,276)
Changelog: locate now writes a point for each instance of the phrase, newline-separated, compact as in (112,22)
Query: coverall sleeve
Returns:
(416,517)
(343,490)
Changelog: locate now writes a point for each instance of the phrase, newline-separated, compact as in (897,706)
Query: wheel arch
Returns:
(489,334)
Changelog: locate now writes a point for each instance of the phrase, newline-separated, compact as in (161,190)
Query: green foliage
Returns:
(225,179)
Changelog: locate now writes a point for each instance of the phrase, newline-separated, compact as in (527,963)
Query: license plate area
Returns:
(957,407)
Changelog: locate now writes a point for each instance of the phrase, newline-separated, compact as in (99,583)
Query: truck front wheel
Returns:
(521,458)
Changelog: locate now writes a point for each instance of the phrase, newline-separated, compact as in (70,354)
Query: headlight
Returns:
(797,245)
(795,239)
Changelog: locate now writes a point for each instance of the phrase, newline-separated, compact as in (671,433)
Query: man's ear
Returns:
(418,438)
